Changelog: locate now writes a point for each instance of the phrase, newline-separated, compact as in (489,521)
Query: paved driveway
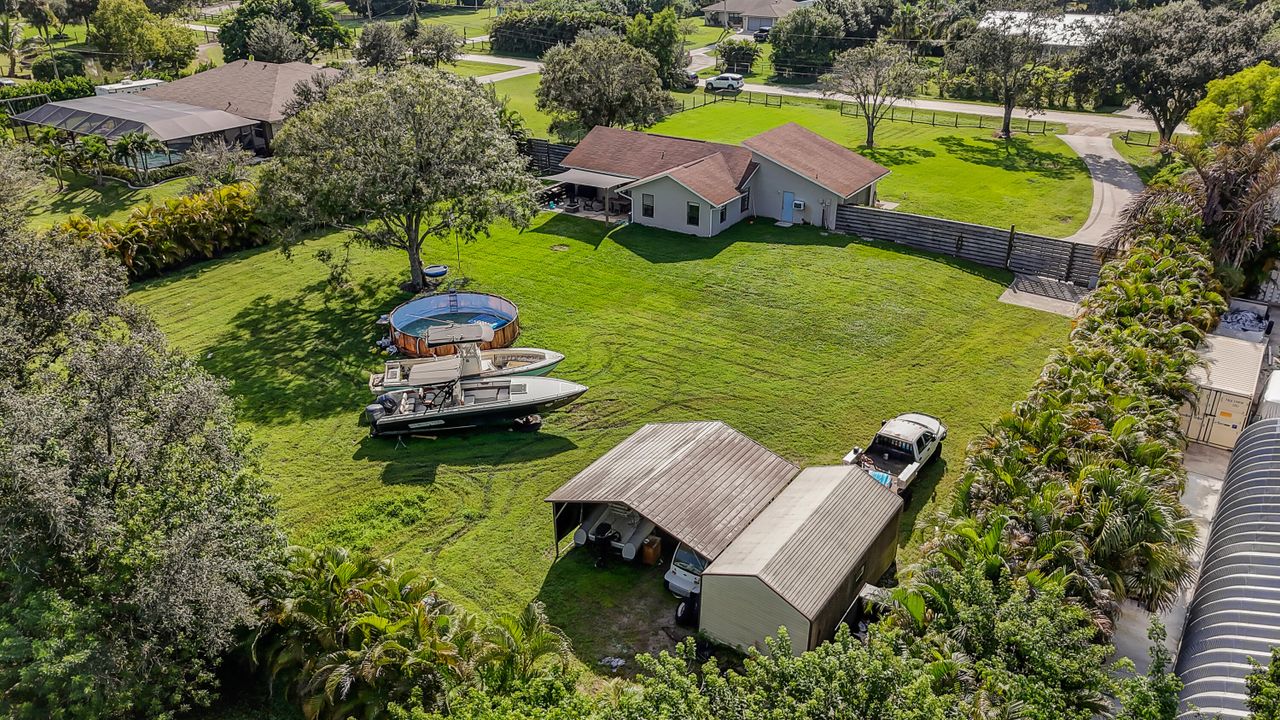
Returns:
(1114,185)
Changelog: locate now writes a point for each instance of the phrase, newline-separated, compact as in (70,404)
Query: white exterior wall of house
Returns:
(670,208)
(737,608)
(772,181)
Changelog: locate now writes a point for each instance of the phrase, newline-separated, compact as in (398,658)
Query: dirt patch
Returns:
(559,248)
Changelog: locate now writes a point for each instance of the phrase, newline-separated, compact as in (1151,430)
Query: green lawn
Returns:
(699,35)
(111,201)
(802,340)
(475,68)
(521,91)
(1034,182)
(1145,160)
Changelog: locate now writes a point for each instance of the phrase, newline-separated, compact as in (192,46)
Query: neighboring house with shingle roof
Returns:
(750,14)
(789,174)
(256,90)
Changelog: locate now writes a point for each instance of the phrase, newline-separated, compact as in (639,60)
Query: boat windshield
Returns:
(689,561)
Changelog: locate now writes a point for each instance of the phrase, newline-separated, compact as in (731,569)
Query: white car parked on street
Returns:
(724,81)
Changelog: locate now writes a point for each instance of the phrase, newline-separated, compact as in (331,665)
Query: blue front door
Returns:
(787,200)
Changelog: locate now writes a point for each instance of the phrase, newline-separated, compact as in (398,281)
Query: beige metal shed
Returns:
(1228,381)
(802,561)
(701,482)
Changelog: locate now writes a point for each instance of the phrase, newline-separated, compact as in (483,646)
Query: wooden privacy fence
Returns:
(950,119)
(1004,248)
(544,155)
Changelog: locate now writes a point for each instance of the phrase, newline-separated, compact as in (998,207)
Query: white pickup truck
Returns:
(898,451)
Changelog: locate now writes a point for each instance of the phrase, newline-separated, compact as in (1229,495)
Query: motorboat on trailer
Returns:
(457,404)
(473,362)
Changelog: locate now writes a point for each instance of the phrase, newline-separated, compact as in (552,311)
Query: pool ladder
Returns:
(453,301)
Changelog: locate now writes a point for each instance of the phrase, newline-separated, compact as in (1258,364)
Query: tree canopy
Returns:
(876,77)
(1256,88)
(805,41)
(400,157)
(1004,55)
(381,45)
(662,37)
(309,19)
(129,35)
(1165,57)
(137,532)
(273,40)
(600,80)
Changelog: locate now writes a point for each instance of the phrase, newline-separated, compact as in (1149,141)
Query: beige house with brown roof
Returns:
(750,14)
(789,174)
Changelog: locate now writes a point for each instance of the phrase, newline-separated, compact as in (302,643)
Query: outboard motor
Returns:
(379,409)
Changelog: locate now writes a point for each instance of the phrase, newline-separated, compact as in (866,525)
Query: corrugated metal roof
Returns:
(703,482)
(812,535)
(1235,614)
(1231,365)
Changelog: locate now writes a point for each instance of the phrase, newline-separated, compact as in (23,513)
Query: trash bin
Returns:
(651,550)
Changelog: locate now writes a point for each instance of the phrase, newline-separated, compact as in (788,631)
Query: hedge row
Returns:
(533,32)
(156,238)
(67,89)
(1081,481)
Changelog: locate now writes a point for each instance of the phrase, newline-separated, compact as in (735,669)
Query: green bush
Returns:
(69,65)
(156,238)
(65,89)
(533,32)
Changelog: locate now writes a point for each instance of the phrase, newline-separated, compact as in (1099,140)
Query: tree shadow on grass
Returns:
(304,356)
(1015,155)
(892,155)
(584,230)
(619,610)
(414,460)
(664,246)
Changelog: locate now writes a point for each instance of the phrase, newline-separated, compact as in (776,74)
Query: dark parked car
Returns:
(762,35)
(690,79)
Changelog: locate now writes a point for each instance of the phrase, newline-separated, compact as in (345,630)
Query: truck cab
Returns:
(684,576)
(898,451)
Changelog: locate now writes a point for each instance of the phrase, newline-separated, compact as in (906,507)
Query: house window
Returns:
(691,215)
(646,205)
(745,204)
(724,213)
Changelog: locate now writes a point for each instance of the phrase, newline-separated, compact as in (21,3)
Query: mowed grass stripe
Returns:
(802,341)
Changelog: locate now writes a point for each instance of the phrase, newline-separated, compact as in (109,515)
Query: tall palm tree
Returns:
(94,151)
(14,44)
(56,155)
(134,147)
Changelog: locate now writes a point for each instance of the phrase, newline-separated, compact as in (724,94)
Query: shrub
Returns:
(533,32)
(156,238)
(65,89)
(69,65)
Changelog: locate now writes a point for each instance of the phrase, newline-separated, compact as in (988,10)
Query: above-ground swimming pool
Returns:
(410,321)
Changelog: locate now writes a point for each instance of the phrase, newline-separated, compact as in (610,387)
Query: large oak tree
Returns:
(1164,57)
(600,80)
(397,158)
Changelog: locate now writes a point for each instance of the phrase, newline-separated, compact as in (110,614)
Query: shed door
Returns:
(787,211)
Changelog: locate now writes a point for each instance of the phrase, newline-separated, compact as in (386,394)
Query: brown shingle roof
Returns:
(812,156)
(714,171)
(710,178)
(255,90)
(702,482)
(634,154)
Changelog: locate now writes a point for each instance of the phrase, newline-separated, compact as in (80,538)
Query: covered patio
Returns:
(589,193)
